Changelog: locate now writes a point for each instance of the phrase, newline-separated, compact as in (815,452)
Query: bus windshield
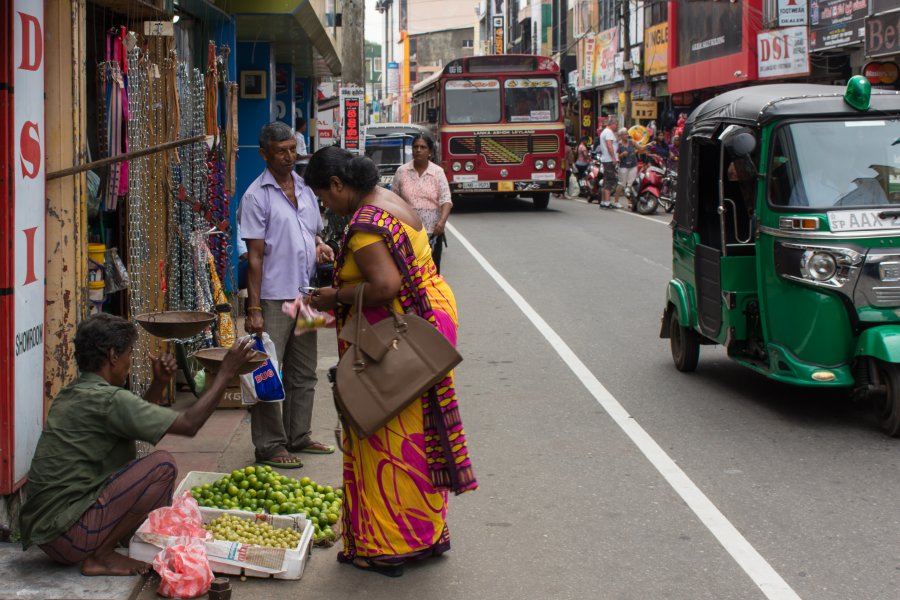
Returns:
(836,164)
(473,101)
(531,100)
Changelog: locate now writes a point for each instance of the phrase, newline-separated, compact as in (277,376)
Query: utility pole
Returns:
(352,57)
(626,62)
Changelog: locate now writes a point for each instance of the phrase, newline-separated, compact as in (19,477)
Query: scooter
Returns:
(656,187)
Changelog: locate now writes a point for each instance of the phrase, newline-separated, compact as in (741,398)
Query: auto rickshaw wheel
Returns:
(889,405)
(684,343)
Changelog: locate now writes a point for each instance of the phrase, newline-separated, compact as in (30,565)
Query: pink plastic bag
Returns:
(306,317)
(182,519)
(183,570)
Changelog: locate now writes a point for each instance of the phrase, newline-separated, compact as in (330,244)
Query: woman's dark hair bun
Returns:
(361,173)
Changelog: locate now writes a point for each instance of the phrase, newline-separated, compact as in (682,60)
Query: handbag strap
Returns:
(358,363)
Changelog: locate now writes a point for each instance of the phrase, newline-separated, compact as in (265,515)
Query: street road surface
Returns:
(607,474)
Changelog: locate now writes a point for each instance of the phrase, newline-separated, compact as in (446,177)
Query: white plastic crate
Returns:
(234,558)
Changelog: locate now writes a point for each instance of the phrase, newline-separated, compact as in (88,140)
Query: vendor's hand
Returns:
(439,228)
(324,298)
(254,323)
(236,357)
(164,367)
(324,253)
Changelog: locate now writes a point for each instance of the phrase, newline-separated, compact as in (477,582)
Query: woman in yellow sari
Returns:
(396,481)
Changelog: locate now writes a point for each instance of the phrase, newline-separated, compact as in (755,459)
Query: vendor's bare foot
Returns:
(113,564)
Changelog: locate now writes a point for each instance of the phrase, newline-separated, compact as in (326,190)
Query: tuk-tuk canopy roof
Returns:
(761,104)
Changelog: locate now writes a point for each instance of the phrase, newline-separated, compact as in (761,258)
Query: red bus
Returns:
(498,125)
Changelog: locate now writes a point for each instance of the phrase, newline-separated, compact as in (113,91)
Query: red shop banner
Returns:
(351,110)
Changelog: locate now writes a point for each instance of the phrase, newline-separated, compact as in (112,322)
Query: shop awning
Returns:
(295,28)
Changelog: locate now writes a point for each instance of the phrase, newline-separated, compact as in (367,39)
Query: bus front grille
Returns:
(504,149)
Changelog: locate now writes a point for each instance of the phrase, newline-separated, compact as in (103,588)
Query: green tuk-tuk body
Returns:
(786,237)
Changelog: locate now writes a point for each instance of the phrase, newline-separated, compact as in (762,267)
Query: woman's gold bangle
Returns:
(250,308)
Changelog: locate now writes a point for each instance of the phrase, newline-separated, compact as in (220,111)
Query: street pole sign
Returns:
(352,130)
(499,35)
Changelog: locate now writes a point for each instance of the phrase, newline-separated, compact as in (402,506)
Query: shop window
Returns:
(468,43)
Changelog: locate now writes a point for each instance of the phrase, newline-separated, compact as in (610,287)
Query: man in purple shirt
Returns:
(280,220)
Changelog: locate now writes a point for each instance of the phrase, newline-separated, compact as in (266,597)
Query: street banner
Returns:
(656,49)
(606,46)
(588,61)
(393,78)
(883,34)
(792,12)
(834,23)
(708,29)
(782,52)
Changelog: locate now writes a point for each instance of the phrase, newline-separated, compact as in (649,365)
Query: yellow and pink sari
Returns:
(396,481)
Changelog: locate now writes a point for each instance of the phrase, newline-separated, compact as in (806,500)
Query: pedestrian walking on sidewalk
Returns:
(424,187)
(86,491)
(609,158)
(396,481)
(281,223)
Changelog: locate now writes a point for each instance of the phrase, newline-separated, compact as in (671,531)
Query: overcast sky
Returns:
(374,23)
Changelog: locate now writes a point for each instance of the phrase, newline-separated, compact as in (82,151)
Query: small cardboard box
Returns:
(235,558)
(233,398)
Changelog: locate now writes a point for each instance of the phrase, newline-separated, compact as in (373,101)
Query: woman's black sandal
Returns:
(370,565)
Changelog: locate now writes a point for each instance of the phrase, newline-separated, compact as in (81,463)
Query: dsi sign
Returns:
(883,34)
(782,52)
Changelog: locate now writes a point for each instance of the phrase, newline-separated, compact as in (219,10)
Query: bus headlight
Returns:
(820,266)
(551,164)
(470,166)
(538,164)
(456,167)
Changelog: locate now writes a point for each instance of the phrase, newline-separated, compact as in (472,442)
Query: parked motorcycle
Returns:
(589,180)
(656,185)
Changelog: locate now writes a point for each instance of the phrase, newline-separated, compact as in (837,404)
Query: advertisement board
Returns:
(393,78)
(606,47)
(881,74)
(883,34)
(352,107)
(588,64)
(834,23)
(656,49)
(22,323)
(708,29)
(499,34)
(792,12)
(782,52)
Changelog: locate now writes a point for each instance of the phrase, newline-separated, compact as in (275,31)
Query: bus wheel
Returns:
(541,201)
(888,406)
(684,343)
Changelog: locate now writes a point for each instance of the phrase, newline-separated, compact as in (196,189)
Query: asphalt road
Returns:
(607,474)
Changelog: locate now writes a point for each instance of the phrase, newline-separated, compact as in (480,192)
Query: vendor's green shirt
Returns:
(89,435)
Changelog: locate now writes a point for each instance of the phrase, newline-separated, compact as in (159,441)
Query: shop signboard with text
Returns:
(656,49)
(22,292)
(883,34)
(588,61)
(499,34)
(782,52)
(792,13)
(352,119)
(834,23)
(708,29)
(606,47)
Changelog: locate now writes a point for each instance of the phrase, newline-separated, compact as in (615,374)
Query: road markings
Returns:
(625,211)
(745,555)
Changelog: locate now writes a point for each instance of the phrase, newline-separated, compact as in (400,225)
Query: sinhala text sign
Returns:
(351,100)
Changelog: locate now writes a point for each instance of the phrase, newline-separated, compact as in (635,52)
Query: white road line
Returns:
(625,211)
(746,556)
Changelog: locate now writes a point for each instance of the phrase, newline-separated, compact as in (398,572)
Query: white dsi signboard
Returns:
(792,12)
(783,52)
(28,168)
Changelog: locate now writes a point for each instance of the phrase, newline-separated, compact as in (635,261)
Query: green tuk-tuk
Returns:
(786,238)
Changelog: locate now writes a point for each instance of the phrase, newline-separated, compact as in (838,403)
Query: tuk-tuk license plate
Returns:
(861,220)
(504,186)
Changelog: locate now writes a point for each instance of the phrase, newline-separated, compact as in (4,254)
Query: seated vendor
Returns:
(86,489)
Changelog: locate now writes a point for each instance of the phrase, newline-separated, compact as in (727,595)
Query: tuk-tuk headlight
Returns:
(551,164)
(470,166)
(820,266)
(538,164)
(456,167)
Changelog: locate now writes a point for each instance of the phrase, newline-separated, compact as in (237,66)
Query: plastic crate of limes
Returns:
(263,490)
